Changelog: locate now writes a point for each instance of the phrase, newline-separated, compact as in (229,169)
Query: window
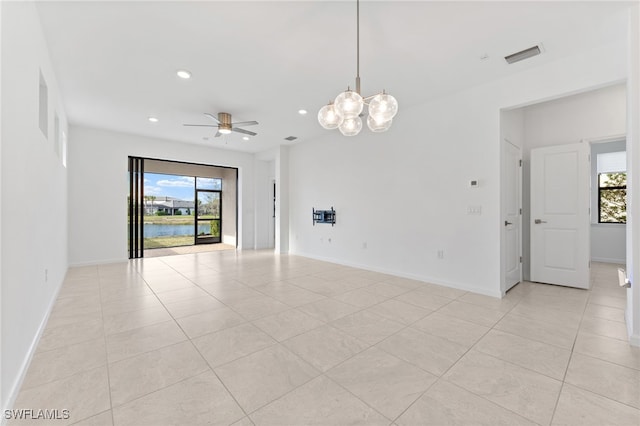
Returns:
(612,187)
(208,183)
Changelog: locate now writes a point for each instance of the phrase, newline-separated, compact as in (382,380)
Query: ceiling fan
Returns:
(225,125)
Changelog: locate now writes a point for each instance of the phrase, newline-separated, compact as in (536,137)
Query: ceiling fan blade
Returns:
(245,123)
(246,132)
(212,116)
(201,125)
(218,134)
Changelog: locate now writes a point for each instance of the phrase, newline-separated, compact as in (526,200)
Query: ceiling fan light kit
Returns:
(345,111)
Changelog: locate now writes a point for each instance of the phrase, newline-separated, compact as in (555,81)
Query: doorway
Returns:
(565,120)
(208,220)
(511,214)
(272,221)
(176,205)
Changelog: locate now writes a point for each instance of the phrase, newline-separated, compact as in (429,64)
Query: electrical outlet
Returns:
(364,245)
(474,210)
(329,240)
(46,275)
(440,254)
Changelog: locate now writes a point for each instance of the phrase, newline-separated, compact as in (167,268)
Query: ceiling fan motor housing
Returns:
(225,122)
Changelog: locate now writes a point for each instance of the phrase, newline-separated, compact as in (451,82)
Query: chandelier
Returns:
(345,112)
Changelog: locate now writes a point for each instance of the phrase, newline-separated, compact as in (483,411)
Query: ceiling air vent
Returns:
(290,138)
(523,54)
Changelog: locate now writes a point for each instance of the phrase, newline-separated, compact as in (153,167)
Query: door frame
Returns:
(211,239)
(271,237)
(503,207)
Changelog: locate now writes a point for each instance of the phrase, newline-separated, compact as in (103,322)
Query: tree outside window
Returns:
(612,197)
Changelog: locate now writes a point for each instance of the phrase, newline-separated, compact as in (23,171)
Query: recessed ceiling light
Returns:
(184,74)
(302,111)
(153,119)
(246,138)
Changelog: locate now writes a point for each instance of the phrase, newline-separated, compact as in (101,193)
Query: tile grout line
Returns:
(592,357)
(210,368)
(201,356)
(373,345)
(106,351)
(441,377)
(276,342)
(323,374)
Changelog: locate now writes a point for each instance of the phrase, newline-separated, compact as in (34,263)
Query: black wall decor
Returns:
(324,216)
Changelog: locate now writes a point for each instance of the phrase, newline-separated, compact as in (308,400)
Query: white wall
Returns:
(595,114)
(608,243)
(34,194)
(229,209)
(512,126)
(405,192)
(633,180)
(98,178)
(591,115)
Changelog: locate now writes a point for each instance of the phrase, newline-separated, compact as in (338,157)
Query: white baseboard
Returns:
(17,384)
(460,286)
(608,260)
(97,262)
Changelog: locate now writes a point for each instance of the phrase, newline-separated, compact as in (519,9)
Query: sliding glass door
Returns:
(169,205)
(208,211)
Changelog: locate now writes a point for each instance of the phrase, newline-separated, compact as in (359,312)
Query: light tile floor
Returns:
(255,338)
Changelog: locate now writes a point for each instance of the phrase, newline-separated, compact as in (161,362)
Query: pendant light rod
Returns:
(358,46)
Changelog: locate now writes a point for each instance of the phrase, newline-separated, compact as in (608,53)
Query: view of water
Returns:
(152,230)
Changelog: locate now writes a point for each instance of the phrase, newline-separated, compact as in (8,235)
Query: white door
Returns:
(272,214)
(560,252)
(511,214)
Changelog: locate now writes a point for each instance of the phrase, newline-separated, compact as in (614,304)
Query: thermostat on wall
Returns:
(474,183)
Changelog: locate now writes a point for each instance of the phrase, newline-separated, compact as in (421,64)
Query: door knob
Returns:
(538,221)
(507,223)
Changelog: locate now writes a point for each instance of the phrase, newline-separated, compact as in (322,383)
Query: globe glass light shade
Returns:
(383,107)
(329,118)
(378,126)
(349,104)
(351,126)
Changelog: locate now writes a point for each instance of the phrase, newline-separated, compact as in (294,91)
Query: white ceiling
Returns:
(116,62)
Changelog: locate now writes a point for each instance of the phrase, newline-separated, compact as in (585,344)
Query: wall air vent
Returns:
(290,138)
(523,54)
